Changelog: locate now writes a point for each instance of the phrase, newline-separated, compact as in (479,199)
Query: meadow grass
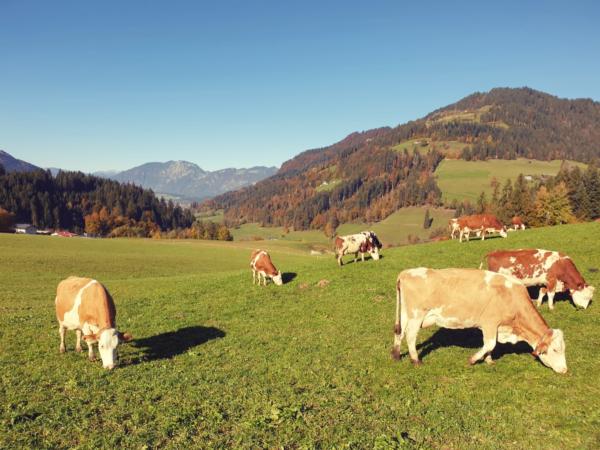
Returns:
(218,363)
(459,179)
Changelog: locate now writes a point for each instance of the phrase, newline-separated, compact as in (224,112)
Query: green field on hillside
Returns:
(451,149)
(218,363)
(394,230)
(459,179)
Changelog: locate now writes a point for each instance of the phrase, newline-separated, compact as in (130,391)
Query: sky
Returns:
(114,84)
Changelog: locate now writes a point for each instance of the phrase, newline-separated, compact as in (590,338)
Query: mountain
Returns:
(369,175)
(187,180)
(12,164)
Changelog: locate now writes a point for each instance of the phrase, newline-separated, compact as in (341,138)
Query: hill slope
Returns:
(186,179)
(369,175)
(12,164)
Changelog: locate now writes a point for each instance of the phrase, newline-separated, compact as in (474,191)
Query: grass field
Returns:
(459,179)
(451,149)
(219,363)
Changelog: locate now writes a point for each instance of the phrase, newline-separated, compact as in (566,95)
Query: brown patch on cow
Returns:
(544,343)
(97,307)
(339,243)
(323,283)
(66,292)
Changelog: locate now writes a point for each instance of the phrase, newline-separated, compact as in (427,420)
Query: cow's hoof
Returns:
(416,362)
(472,361)
(395,353)
(490,361)
(62,350)
(92,358)
(78,349)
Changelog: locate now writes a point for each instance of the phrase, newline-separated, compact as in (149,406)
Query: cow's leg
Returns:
(399,328)
(91,355)
(551,294)
(362,256)
(489,343)
(253,277)
(356,257)
(339,259)
(61,332)
(78,345)
(540,297)
(264,279)
(412,330)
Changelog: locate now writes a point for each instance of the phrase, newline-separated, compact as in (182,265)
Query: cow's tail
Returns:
(397,325)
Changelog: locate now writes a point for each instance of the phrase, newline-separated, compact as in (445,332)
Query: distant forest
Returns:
(72,200)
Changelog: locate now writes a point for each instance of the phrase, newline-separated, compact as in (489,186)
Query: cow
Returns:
(363,242)
(497,304)
(261,265)
(480,224)
(543,267)
(517,223)
(85,305)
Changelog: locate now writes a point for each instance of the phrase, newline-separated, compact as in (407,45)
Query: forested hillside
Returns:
(371,174)
(70,199)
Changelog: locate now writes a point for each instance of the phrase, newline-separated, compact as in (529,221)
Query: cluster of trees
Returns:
(572,195)
(354,183)
(71,200)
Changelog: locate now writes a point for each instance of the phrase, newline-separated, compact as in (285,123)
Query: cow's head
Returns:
(108,340)
(373,245)
(551,350)
(503,232)
(583,295)
(278,279)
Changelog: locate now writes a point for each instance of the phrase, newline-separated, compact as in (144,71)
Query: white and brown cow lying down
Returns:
(480,224)
(261,265)
(84,305)
(468,298)
(536,267)
(363,242)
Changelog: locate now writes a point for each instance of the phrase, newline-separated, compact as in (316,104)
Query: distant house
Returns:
(64,234)
(528,178)
(25,228)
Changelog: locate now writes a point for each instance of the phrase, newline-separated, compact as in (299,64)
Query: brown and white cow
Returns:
(468,298)
(261,265)
(517,223)
(543,267)
(363,242)
(480,224)
(84,305)
(453,228)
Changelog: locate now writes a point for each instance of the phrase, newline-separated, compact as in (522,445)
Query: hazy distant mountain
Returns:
(106,173)
(12,164)
(187,180)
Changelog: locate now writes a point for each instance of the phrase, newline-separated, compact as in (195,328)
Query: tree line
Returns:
(100,207)
(573,195)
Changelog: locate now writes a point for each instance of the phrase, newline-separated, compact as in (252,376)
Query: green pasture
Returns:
(459,179)
(219,363)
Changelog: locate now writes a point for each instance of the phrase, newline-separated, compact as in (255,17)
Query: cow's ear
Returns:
(124,337)
(91,338)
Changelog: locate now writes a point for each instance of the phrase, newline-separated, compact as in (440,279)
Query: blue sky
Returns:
(113,84)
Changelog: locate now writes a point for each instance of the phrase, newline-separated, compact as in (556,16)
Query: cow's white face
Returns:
(503,233)
(278,279)
(554,357)
(107,346)
(374,252)
(582,297)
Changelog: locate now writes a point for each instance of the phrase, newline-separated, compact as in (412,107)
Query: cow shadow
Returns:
(173,343)
(467,338)
(358,260)
(286,277)
(559,296)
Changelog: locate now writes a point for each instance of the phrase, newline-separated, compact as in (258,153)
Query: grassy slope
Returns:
(219,363)
(460,179)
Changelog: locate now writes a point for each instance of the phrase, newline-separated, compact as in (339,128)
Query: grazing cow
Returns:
(261,265)
(84,305)
(363,242)
(517,223)
(543,267)
(468,298)
(480,224)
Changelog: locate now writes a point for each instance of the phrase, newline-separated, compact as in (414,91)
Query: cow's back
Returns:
(464,294)
(96,306)
(66,293)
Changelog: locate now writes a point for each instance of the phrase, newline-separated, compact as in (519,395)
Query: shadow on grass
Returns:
(559,297)
(358,260)
(288,276)
(467,338)
(173,343)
